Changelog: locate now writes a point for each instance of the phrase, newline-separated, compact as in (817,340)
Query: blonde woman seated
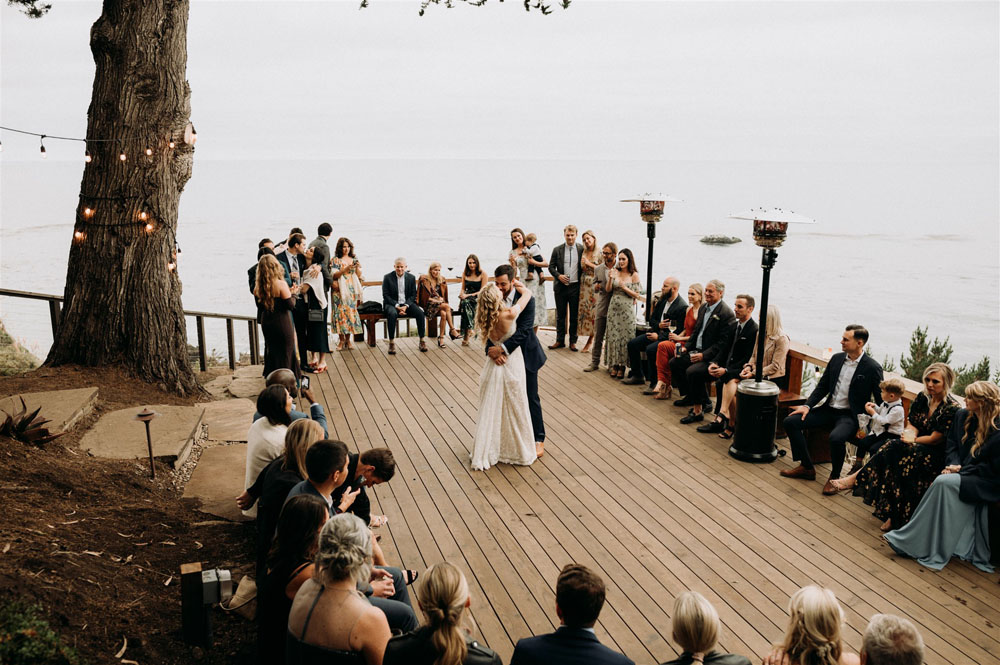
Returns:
(696,628)
(447,638)
(330,621)
(432,296)
(813,636)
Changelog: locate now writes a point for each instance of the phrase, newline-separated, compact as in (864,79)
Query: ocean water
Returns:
(892,248)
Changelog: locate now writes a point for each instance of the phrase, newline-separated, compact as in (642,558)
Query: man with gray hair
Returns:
(891,640)
(399,299)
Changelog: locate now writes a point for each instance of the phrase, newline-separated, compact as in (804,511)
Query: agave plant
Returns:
(27,427)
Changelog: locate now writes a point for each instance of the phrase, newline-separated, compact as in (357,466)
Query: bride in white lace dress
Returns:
(503,428)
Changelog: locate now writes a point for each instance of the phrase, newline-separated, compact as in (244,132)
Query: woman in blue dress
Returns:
(951,520)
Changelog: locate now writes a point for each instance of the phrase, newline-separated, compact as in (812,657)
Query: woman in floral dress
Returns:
(897,476)
(625,289)
(588,299)
(347,292)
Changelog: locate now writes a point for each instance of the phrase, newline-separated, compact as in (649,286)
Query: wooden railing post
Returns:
(232,343)
(202,357)
(55,313)
(252,336)
(793,368)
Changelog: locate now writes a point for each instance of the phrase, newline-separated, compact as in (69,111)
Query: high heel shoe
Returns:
(441,341)
(454,334)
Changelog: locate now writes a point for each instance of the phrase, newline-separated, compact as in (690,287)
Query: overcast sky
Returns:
(799,81)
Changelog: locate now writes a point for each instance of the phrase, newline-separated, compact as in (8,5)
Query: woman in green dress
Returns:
(473,280)
(625,289)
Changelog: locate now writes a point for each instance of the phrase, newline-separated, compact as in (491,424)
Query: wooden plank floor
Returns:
(651,504)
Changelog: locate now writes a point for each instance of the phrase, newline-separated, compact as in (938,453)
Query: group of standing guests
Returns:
(291,283)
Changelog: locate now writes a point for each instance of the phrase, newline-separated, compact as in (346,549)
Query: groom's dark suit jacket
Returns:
(525,338)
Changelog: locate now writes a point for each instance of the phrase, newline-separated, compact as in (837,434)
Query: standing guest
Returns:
(432,296)
(289,565)
(625,289)
(266,436)
(891,640)
(775,354)
(293,260)
(447,638)
(887,420)
(321,250)
(579,598)
(813,635)
(566,270)
(727,371)
(265,247)
(286,378)
(473,280)
(314,289)
(329,619)
(535,282)
(850,381)
(589,259)
(711,338)
(601,300)
(674,344)
(399,298)
(897,476)
(281,246)
(695,626)
(347,291)
(667,316)
(275,301)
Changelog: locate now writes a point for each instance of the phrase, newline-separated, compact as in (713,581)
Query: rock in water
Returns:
(721,240)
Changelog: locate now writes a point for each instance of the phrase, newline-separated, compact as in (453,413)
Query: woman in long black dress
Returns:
(473,279)
(275,298)
(315,289)
(897,476)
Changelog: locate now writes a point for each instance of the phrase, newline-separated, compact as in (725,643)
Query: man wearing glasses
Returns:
(609,252)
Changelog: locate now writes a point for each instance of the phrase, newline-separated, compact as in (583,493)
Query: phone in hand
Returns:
(304,383)
(358,483)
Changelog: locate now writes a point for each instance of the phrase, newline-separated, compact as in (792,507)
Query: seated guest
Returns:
(432,296)
(675,343)
(447,638)
(266,436)
(951,519)
(891,640)
(276,480)
(886,422)
(329,620)
(286,378)
(696,628)
(666,317)
(709,341)
(579,599)
(727,371)
(850,381)
(775,354)
(813,636)
(399,298)
(372,467)
(289,565)
(895,479)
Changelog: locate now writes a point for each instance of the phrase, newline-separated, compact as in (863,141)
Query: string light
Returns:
(122,156)
(88,212)
(79,235)
(87,157)
(143,215)
(171,143)
(171,266)
(190,137)
(149,151)
(41,141)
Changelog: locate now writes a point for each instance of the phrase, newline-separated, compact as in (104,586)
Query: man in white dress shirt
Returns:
(566,270)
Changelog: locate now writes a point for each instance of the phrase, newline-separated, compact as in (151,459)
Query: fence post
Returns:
(252,336)
(202,358)
(232,343)
(55,313)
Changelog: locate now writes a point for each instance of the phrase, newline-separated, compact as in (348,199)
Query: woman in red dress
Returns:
(675,343)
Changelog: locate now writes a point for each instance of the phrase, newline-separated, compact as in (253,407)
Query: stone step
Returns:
(117,435)
(63,407)
(217,480)
(229,420)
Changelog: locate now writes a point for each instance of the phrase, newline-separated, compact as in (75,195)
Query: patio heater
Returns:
(757,399)
(651,212)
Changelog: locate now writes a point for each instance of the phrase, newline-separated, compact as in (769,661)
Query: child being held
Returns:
(534,252)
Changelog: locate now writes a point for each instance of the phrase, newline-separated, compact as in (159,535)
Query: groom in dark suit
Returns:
(525,338)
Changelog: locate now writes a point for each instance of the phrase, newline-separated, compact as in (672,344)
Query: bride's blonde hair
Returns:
(488,307)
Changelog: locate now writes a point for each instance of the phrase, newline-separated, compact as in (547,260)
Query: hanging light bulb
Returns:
(87,157)
(149,227)
(149,151)
(171,143)
(88,212)
(171,266)
(41,141)
(79,235)
(122,156)
(143,215)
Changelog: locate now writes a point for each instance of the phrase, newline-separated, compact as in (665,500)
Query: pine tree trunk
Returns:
(123,294)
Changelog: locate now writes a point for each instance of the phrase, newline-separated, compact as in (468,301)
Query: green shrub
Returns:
(26,639)
(14,358)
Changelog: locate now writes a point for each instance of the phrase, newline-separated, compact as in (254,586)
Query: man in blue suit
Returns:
(399,298)
(579,599)
(525,338)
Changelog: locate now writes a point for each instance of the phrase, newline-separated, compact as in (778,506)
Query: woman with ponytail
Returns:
(696,628)
(447,637)
(813,636)
(951,519)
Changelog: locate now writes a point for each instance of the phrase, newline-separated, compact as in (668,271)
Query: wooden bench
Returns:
(369,321)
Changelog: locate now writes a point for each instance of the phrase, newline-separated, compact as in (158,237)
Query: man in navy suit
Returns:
(579,599)
(525,338)
(399,298)
(293,260)
(850,381)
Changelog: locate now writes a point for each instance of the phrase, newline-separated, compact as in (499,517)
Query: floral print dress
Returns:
(621,325)
(345,309)
(588,300)
(897,476)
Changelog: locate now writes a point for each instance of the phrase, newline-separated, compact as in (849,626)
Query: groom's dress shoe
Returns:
(632,381)
(799,472)
(539,449)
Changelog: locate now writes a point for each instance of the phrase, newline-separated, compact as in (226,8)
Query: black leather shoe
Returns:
(683,401)
(713,427)
(649,391)
(692,418)
(707,407)
(632,381)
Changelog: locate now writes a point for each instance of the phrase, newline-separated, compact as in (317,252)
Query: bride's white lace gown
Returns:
(503,429)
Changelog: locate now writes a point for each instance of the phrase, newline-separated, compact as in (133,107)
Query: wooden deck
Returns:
(654,506)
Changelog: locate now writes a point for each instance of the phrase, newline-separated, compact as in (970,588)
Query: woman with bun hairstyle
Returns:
(447,637)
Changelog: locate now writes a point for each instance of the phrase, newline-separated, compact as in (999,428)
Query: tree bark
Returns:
(122,301)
